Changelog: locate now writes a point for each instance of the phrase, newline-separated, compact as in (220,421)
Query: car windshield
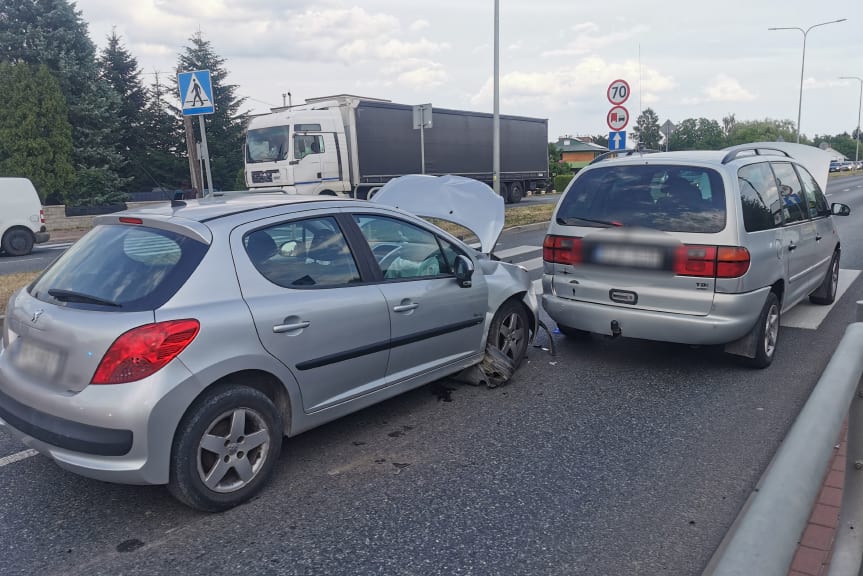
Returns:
(120,268)
(667,198)
(267,144)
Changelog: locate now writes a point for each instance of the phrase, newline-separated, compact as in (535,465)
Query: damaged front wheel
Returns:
(508,338)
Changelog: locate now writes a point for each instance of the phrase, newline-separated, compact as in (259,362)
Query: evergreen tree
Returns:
(53,33)
(35,134)
(225,127)
(647,130)
(120,70)
(162,161)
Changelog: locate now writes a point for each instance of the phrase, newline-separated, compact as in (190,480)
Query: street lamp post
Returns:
(859,108)
(496,119)
(803,62)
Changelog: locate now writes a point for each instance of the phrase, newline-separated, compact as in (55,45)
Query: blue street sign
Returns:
(617,140)
(196,93)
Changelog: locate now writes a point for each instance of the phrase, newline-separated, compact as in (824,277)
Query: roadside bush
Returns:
(560,182)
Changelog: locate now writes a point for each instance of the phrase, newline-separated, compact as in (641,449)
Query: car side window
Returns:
(310,253)
(759,197)
(403,250)
(815,199)
(791,192)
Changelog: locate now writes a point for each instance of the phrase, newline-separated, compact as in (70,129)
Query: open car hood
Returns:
(816,160)
(463,201)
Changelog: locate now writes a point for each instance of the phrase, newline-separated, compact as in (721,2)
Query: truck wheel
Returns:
(18,242)
(514,193)
(225,448)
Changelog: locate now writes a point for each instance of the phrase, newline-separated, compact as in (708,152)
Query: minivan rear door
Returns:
(634,228)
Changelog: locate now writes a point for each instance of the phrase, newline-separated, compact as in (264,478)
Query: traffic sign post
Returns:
(422,120)
(196,99)
(618,118)
(616,140)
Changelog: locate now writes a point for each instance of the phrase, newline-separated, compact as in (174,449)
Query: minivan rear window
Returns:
(120,268)
(662,197)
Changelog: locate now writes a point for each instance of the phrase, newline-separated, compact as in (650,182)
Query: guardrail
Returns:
(764,538)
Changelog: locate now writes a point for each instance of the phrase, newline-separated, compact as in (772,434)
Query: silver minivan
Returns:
(695,247)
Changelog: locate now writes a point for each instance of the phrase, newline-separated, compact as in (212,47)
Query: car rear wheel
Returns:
(768,333)
(18,242)
(225,449)
(826,293)
(507,342)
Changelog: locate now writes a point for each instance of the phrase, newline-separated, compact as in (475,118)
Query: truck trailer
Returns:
(351,146)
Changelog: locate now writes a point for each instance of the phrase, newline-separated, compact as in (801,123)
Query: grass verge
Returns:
(9,283)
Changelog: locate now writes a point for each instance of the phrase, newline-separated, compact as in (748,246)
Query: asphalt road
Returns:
(610,458)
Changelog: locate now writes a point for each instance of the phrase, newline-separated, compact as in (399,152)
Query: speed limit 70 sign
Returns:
(618,92)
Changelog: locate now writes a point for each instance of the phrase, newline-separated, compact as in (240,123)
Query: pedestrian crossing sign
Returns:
(196,93)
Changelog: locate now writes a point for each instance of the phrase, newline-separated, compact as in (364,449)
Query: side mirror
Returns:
(464,271)
(840,209)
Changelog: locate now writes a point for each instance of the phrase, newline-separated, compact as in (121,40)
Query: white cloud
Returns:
(587,40)
(419,25)
(722,88)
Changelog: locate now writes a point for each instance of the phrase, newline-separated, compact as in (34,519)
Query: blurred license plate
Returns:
(626,255)
(37,359)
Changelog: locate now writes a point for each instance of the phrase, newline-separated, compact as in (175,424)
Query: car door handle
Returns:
(792,246)
(319,174)
(280,328)
(405,307)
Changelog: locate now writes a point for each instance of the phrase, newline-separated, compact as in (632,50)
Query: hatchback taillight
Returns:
(562,250)
(711,261)
(144,350)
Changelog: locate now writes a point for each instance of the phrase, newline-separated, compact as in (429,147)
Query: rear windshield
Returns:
(667,198)
(122,268)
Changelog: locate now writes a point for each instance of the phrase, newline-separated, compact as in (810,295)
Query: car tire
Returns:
(18,242)
(768,333)
(574,333)
(506,347)
(826,293)
(514,193)
(225,448)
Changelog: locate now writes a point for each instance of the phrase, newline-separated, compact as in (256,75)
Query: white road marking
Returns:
(530,265)
(21,260)
(24,454)
(517,251)
(810,316)
(846,189)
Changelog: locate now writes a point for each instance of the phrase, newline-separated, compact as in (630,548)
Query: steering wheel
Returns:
(389,258)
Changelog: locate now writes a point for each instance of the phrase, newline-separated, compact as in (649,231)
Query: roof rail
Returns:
(758,150)
(627,152)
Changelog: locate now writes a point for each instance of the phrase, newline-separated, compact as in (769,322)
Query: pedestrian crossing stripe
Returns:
(196,92)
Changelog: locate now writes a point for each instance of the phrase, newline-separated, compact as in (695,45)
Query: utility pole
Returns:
(194,164)
(496,121)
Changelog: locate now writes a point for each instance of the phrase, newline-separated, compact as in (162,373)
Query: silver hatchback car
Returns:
(698,248)
(177,345)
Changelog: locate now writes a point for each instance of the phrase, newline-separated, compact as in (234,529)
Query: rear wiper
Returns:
(72,296)
(571,221)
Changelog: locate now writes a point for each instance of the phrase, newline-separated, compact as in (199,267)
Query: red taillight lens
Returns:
(694,260)
(41,216)
(711,261)
(562,250)
(143,351)
(732,262)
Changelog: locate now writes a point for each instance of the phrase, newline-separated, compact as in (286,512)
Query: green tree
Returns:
(53,33)
(556,165)
(766,130)
(697,134)
(843,143)
(120,70)
(225,127)
(35,134)
(162,161)
(600,140)
(647,130)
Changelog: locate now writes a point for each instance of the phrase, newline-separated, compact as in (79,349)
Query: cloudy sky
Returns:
(697,58)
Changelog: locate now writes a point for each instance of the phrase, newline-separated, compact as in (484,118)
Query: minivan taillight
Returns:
(144,350)
(711,261)
(562,250)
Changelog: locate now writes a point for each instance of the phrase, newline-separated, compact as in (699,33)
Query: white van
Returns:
(22,221)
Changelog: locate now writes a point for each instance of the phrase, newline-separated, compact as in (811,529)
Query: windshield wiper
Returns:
(72,296)
(571,221)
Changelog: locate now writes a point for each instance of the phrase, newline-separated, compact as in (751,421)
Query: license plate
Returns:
(37,359)
(631,256)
